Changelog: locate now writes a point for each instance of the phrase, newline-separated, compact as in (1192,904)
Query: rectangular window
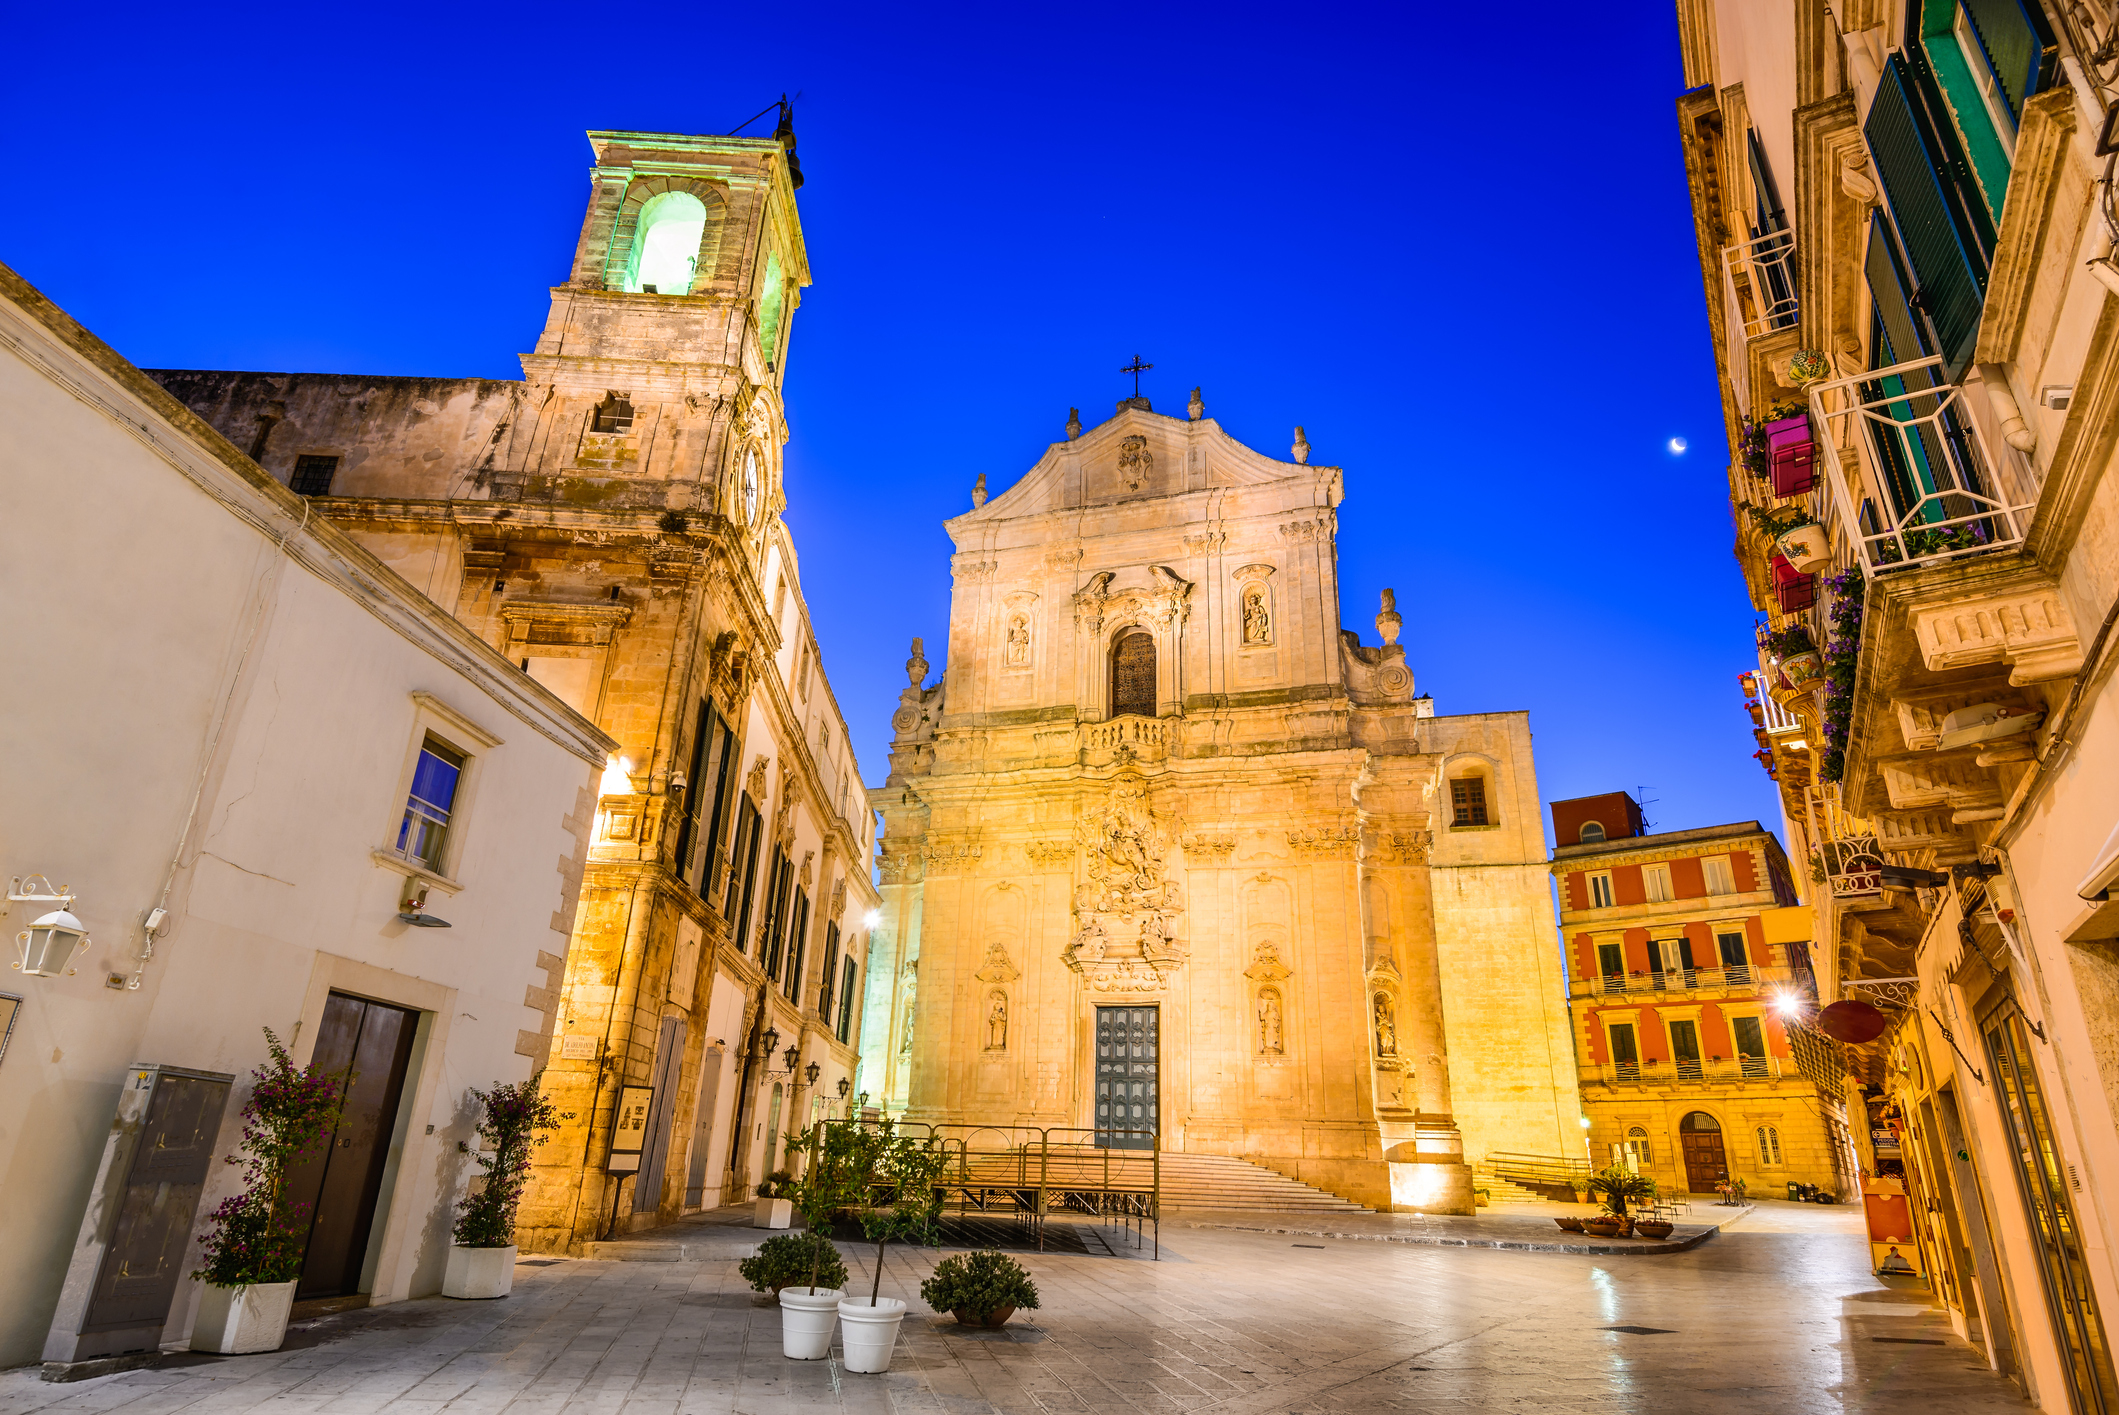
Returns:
(1720,880)
(1600,891)
(1467,799)
(719,769)
(312,475)
(1656,880)
(1685,1048)
(434,781)
(827,976)
(797,945)
(1624,1053)
(846,1004)
(1732,950)
(1611,960)
(1750,1037)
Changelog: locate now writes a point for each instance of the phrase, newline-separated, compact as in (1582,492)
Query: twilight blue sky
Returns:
(1459,256)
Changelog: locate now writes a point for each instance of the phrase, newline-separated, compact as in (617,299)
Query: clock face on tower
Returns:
(750,485)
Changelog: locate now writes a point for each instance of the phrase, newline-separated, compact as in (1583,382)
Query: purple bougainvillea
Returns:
(259,1235)
(513,1116)
(1842,650)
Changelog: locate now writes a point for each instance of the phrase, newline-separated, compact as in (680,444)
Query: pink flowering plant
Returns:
(259,1235)
(512,1117)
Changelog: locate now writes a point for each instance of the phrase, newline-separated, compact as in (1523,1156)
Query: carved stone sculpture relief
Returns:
(1386,1025)
(1125,910)
(1257,619)
(996,1021)
(1135,461)
(1018,655)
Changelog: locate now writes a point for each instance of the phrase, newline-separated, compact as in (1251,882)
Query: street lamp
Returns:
(794,1054)
(845,1085)
(811,1072)
(770,1040)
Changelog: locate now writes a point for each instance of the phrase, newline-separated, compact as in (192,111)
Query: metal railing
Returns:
(1913,445)
(1717,1071)
(1853,867)
(1536,1171)
(1745,975)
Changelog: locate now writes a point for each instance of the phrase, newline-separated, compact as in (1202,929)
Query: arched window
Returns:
(666,245)
(770,296)
(1592,833)
(1769,1145)
(1133,674)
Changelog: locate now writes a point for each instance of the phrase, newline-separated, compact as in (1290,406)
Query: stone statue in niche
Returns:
(1018,642)
(997,1023)
(1270,1042)
(1257,619)
(1386,1026)
(905,1042)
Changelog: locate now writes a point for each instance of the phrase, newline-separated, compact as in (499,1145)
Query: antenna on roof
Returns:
(1642,799)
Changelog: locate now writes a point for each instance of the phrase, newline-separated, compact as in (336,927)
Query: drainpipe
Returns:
(2002,399)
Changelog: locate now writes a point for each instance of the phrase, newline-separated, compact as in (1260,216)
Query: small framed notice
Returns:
(9,1006)
(629,1127)
(578,1046)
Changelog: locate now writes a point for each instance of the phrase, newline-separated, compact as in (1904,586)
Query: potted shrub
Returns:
(1603,1226)
(1807,366)
(980,1289)
(482,1259)
(794,1260)
(1656,1228)
(905,1172)
(255,1239)
(775,1207)
(1617,1184)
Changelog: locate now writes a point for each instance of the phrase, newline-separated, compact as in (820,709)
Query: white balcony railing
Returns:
(1913,478)
(1853,867)
(1760,278)
(1742,975)
(1722,1071)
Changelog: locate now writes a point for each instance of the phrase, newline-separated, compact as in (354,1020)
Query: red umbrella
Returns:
(1851,1021)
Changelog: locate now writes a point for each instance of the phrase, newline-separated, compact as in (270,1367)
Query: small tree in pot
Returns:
(255,1239)
(835,1180)
(1615,1186)
(904,1204)
(482,1262)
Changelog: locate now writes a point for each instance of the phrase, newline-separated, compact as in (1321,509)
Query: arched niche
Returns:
(1132,672)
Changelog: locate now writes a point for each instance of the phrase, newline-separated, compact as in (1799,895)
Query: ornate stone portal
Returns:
(1159,775)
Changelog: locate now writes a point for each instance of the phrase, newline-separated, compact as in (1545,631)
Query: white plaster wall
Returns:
(141,596)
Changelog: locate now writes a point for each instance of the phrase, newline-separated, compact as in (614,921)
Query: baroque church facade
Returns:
(611,523)
(1171,858)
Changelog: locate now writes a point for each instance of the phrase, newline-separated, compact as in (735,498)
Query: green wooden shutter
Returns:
(1942,222)
(2019,47)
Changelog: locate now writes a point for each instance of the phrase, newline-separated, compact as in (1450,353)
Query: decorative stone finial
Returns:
(1196,409)
(1302,449)
(1074,423)
(978,491)
(1390,621)
(916,666)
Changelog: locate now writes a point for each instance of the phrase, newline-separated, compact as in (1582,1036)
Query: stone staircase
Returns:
(1195,1181)
(1503,1191)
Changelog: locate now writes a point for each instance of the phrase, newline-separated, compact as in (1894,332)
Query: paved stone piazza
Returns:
(1777,1313)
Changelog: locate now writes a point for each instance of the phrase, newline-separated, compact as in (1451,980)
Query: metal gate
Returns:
(1126,1100)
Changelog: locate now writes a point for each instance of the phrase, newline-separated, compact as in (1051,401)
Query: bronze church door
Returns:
(1127,1111)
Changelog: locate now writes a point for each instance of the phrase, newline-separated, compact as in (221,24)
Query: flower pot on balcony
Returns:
(1806,548)
(1791,455)
(237,1321)
(773,1213)
(1803,669)
(479,1272)
(1758,713)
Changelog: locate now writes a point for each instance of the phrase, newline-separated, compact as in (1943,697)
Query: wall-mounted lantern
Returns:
(49,943)
(811,1071)
(845,1085)
(794,1054)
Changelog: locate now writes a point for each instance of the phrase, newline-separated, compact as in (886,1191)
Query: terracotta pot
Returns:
(1803,669)
(1653,1228)
(1601,1227)
(1570,1225)
(998,1317)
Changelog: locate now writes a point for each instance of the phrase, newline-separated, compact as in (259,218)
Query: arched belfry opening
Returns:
(1133,674)
(665,254)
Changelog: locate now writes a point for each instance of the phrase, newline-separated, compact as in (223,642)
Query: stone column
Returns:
(1408,1050)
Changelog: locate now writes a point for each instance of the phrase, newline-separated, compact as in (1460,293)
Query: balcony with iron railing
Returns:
(1758,292)
(1717,1071)
(1743,978)
(1913,479)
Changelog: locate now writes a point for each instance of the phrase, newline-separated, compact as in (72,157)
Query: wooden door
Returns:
(1705,1163)
(370,1042)
(1127,1051)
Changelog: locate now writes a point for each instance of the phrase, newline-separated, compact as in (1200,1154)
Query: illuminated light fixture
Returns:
(811,1071)
(863,1098)
(767,1042)
(870,919)
(50,943)
(617,776)
(1788,1004)
(794,1054)
(1585,1122)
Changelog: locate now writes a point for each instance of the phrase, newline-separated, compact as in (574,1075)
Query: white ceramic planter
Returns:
(1806,548)
(479,1272)
(868,1334)
(235,1321)
(773,1213)
(807,1315)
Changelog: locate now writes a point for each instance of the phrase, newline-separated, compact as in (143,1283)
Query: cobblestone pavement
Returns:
(1777,1314)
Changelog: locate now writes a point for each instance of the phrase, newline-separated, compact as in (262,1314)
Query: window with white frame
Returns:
(1600,891)
(1769,1145)
(1720,879)
(1655,879)
(428,809)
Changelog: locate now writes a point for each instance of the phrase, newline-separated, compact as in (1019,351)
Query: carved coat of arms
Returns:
(1126,909)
